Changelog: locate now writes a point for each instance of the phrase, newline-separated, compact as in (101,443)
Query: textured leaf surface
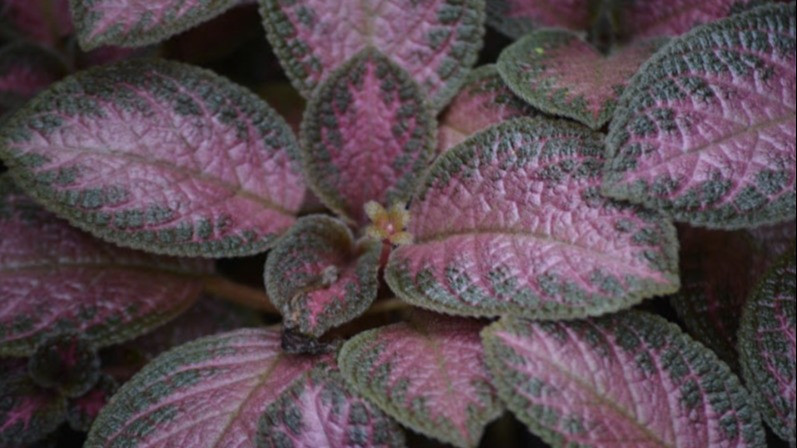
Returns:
(45,22)
(25,70)
(54,278)
(27,412)
(207,393)
(159,156)
(559,73)
(366,135)
(435,41)
(511,221)
(706,130)
(484,100)
(134,23)
(429,374)
(67,362)
(647,18)
(629,379)
(320,411)
(517,17)
(767,347)
(318,278)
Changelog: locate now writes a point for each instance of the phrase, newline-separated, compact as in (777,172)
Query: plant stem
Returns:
(244,295)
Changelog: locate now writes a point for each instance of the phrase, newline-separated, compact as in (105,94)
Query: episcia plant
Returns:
(443,254)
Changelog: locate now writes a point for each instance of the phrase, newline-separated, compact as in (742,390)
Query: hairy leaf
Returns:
(55,278)
(159,156)
(318,278)
(134,23)
(67,362)
(629,379)
(45,22)
(517,17)
(320,411)
(27,412)
(484,100)
(767,347)
(559,73)
(428,374)
(26,69)
(82,411)
(706,130)
(366,135)
(511,221)
(435,41)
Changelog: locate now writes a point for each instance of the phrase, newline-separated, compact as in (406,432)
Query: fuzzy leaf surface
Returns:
(559,73)
(319,410)
(318,278)
(366,135)
(511,221)
(435,41)
(45,22)
(429,374)
(135,23)
(767,347)
(55,278)
(517,17)
(159,156)
(629,379)
(483,100)
(27,412)
(26,69)
(706,130)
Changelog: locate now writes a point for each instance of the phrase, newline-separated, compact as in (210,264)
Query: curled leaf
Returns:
(366,135)
(517,17)
(27,412)
(318,278)
(484,100)
(626,379)
(767,347)
(135,23)
(430,375)
(435,41)
(160,156)
(559,73)
(67,362)
(510,221)
(55,278)
(706,130)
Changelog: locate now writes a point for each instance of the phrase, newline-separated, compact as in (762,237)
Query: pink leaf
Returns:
(25,70)
(27,412)
(430,375)
(135,23)
(767,347)
(517,17)
(56,278)
(211,393)
(82,411)
(561,74)
(435,41)
(706,130)
(511,221)
(45,22)
(159,156)
(366,136)
(319,278)
(484,100)
(629,379)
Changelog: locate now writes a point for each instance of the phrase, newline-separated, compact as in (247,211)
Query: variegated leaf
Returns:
(435,41)
(510,221)
(159,156)
(629,379)
(517,17)
(27,412)
(82,411)
(67,362)
(706,130)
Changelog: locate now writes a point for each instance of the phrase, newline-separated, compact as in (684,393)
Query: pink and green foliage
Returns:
(435,41)
(134,23)
(428,373)
(483,100)
(212,392)
(319,278)
(767,347)
(366,135)
(27,412)
(44,21)
(67,362)
(629,379)
(55,278)
(25,69)
(706,129)
(510,221)
(82,411)
(559,73)
(159,156)
(517,17)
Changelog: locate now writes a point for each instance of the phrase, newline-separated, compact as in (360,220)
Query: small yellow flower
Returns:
(388,225)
